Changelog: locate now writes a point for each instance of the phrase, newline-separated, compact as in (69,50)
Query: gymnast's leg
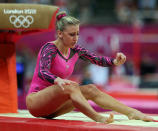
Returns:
(108,102)
(53,98)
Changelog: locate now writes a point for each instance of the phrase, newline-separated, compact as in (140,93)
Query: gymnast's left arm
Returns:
(85,55)
(101,60)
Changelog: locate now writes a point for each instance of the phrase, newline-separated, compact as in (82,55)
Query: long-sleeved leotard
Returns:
(52,64)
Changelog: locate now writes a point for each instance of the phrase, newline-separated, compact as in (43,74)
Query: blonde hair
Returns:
(62,20)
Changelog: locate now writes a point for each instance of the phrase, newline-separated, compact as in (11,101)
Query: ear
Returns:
(60,34)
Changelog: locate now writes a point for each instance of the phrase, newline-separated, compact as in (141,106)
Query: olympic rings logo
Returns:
(21,21)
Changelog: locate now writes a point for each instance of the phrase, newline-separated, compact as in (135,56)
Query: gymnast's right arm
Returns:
(47,54)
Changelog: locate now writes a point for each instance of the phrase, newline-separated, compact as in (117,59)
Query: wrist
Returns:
(115,62)
(56,80)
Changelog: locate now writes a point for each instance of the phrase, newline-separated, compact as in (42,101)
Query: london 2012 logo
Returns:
(21,21)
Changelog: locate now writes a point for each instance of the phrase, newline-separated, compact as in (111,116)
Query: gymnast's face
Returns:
(70,35)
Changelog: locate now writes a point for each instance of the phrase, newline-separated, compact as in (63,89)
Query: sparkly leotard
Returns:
(52,64)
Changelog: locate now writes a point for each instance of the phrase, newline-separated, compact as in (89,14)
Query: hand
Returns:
(120,59)
(61,82)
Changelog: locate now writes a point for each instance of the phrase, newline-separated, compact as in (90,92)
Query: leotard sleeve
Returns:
(94,59)
(47,54)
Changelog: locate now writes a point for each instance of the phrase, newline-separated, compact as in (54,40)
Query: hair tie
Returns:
(60,16)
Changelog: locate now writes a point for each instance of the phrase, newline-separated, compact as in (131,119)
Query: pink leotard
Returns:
(52,64)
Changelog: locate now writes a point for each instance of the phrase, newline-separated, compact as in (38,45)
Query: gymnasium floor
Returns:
(143,100)
(74,121)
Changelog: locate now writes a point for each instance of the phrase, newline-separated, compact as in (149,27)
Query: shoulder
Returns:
(78,48)
(48,48)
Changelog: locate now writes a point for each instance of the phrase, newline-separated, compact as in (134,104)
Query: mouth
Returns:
(73,43)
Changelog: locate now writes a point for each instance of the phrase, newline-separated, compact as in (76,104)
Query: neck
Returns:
(60,45)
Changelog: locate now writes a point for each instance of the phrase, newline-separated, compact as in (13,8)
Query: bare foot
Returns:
(106,120)
(139,116)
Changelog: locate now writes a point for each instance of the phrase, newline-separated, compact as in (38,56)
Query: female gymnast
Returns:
(51,93)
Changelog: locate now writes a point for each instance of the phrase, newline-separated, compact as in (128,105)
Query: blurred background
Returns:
(107,27)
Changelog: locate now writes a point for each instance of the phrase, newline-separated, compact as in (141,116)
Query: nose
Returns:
(75,38)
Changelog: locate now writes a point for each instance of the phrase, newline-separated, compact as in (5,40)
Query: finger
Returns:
(122,61)
(70,82)
(118,55)
(67,82)
(122,57)
(61,85)
(73,82)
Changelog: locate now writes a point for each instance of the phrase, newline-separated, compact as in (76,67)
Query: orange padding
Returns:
(8,83)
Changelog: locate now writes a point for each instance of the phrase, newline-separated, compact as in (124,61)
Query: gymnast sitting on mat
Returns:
(51,94)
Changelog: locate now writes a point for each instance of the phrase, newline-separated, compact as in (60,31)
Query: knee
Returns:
(71,89)
(93,88)
(93,91)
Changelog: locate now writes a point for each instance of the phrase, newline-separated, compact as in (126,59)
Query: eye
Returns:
(72,34)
